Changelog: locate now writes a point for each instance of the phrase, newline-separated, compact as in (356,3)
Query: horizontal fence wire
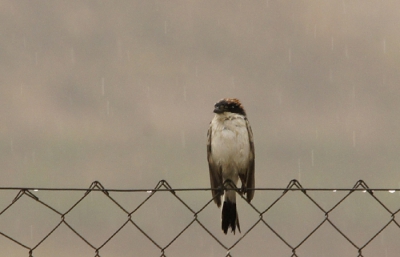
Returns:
(164,186)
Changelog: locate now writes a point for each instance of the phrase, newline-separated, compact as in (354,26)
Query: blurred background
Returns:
(123,93)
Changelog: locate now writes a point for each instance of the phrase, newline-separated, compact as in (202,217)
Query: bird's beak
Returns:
(218,109)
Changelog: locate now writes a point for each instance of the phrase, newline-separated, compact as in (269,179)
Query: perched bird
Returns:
(230,153)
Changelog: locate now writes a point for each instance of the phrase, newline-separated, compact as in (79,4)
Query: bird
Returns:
(230,155)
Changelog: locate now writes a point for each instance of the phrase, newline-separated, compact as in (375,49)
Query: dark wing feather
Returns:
(250,182)
(215,172)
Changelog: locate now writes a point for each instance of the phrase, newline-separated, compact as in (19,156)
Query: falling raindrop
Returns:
(108,107)
(290,55)
(299,167)
(119,49)
(382,237)
(312,157)
(72,55)
(346,52)
(31,228)
(36,58)
(332,43)
(183,140)
(59,204)
(12,146)
(315,31)
(354,138)
(196,71)
(148,92)
(128,55)
(280,98)
(233,82)
(384,45)
(102,86)
(165,27)
(184,93)
(344,7)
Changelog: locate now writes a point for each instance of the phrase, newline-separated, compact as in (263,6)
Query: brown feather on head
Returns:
(229,105)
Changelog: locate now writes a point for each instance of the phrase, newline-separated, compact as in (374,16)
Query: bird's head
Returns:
(232,105)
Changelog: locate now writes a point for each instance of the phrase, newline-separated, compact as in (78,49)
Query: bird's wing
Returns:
(250,183)
(215,172)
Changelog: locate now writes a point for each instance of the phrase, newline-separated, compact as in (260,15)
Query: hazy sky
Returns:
(123,91)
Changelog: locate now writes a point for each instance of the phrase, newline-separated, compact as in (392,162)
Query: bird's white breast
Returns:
(230,142)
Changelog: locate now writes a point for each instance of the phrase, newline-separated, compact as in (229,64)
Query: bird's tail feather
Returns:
(230,217)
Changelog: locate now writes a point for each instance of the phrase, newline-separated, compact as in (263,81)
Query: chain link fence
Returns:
(310,220)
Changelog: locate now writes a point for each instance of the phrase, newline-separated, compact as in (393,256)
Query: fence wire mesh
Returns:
(131,217)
